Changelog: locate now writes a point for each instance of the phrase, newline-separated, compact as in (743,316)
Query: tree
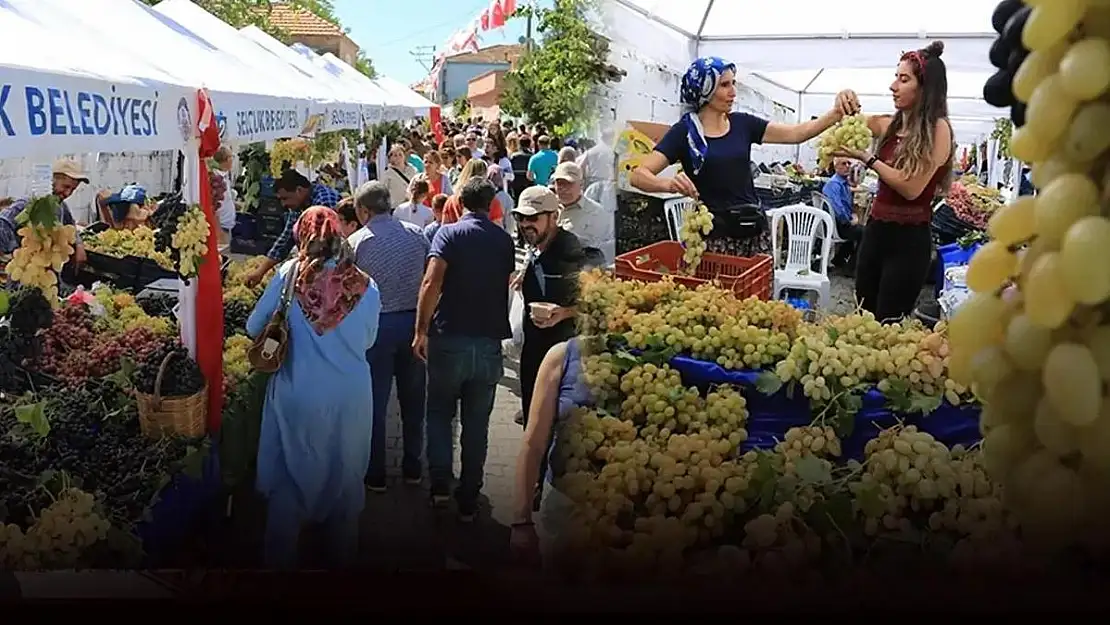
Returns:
(365,65)
(555,82)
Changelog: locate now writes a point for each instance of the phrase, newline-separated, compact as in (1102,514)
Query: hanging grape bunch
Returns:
(1034,338)
(219,186)
(182,233)
(182,377)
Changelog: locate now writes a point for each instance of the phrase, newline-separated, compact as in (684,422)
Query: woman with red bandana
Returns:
(914,164)
(314,446)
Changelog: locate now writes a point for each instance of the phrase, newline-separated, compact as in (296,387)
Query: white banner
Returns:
(341,117)
(251,118)
(44,116)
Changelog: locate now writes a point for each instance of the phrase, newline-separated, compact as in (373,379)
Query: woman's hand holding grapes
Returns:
(847,103)
(848,152)
(682,185)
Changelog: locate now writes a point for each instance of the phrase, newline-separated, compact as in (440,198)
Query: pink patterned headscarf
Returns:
(326,292)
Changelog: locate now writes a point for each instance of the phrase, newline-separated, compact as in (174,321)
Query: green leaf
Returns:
(833,333)
(43,211)
(34,416)
(5,303)
(869,500)
(811,470)
(924,404)
(768,383)
(625,360)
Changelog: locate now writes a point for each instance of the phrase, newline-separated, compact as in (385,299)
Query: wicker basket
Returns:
(183,416)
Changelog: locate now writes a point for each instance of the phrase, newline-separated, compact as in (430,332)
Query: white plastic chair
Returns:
(802,223)
(673,212)
(825,204)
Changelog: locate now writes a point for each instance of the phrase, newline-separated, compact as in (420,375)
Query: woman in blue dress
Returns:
(315,440)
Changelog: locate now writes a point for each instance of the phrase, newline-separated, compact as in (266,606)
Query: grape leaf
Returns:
(5,303)
(924,404)
(625,360)
(869,500)
(42,211)
(811,470)
(833,333)
(34,416)
(768,383)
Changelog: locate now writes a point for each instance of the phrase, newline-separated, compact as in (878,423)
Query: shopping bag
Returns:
(516,318)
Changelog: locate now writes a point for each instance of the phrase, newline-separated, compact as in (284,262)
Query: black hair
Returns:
(477,195)
(291,180)
(347,212)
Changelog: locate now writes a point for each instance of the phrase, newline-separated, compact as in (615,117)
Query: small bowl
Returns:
(541,310)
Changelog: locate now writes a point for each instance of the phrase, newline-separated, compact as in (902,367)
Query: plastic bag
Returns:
(516,318)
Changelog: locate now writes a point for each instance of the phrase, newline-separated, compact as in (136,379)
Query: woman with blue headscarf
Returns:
(714,146)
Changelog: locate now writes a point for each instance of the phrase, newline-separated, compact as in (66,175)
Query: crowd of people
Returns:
(412,276)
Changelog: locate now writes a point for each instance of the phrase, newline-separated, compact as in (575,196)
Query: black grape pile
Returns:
(158,304)
(235,317)
(20,344)
(165,221)
(182,377)
(1007,54)
(95,439)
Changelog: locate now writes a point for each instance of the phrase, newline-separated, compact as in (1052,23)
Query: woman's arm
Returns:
(911,187)
(266,306)
(646,176)
(541,418)
(793,134)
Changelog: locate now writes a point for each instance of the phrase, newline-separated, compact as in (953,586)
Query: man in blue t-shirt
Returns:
(542,164)
(839,192)
(462,316)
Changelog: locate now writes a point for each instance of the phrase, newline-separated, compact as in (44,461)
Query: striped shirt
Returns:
(393,253)
(322,195)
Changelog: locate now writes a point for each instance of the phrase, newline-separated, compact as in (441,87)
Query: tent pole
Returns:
(705,18)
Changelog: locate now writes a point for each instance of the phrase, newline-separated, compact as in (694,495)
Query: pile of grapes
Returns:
(61,538)
(122,312)
(850,132)
(1034,339)
(182,376)
(94,438)
(236,313)
(122,243)
(697,222)
(73,351)
(20,345)
(158,304)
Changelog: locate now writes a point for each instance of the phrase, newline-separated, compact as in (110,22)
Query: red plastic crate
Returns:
(743,276)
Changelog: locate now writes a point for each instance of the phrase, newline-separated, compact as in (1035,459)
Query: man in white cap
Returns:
(587,219)
(67,177)
(550,276)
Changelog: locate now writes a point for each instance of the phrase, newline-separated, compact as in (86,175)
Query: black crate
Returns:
(270,226)
(270,206)
(246,227)
(251,248)
(150,271)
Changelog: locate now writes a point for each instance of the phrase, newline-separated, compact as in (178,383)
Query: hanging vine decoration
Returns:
(1003,128)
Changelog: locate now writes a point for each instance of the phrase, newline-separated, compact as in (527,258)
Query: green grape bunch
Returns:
(697,222)
(191,240)
(850,132)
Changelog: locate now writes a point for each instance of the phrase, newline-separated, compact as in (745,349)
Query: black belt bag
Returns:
(740,221)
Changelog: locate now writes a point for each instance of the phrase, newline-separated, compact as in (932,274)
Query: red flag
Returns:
(209,322)
(508,7)
(497,15)
(485,19)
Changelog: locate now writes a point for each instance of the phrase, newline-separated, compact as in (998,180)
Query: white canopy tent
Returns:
(75,95)
(808,50)
(419,104)
(357,83)
(371,103)
(261,124)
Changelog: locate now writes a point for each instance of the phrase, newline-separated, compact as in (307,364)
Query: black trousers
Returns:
(851,234)
(891,267)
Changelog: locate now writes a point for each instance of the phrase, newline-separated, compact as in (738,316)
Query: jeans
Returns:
(391,357)
(463,372)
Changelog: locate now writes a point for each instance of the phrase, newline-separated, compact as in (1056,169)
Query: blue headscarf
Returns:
(698,85)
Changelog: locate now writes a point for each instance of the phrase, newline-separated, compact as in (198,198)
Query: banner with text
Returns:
(246,118)
(45,116)
(341,117)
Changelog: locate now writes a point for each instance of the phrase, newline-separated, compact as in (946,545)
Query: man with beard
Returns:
(550,276)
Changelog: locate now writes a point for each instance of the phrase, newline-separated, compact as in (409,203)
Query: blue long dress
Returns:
(314,445)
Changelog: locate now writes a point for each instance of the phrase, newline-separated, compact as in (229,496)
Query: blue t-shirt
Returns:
(542,166)
(840,196)
(725,179)
(480,257)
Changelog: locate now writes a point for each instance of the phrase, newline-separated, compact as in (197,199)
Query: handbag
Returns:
(270,346)
(740,221)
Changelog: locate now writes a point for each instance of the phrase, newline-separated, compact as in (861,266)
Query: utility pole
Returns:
(425,55)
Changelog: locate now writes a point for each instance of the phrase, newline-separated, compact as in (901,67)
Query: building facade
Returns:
(315,32)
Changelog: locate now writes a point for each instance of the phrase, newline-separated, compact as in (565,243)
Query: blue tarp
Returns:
(179,506)
(770,416)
